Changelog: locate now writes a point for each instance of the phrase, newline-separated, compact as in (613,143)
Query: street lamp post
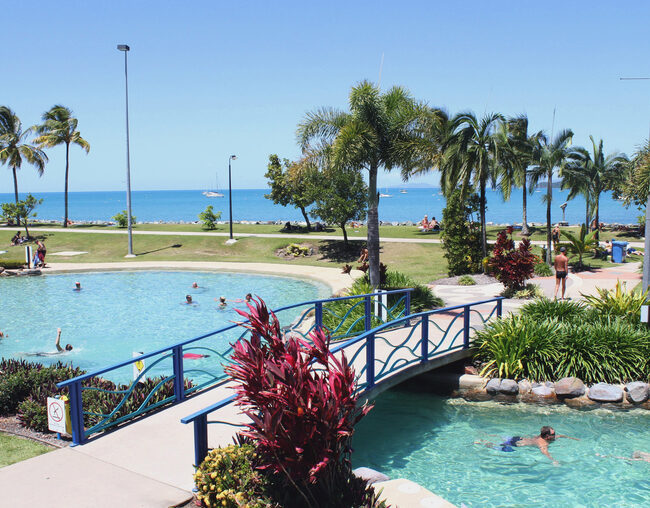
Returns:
(125,49)
(230,159)
(646,259)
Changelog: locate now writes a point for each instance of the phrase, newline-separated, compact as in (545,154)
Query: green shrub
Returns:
(297,250)
(528,292)
(543,270)
(563,311)
(13,389)
(461,235)
(122,219)
(466,280)
(208,218)
(618,302)
(228,478)
(518,346)
(33,414)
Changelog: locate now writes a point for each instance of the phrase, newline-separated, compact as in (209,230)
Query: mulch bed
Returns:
(11,425)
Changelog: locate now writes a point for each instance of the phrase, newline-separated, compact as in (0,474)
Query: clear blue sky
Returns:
(208,78)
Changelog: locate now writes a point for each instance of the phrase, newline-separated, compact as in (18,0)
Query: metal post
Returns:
(499,307)
(179,377)
(424,344)
(466,327)
(231,158)
(76,414)
(407,306)
(370,360)
(200,439)
(126,49)
(368,312)
(319,315)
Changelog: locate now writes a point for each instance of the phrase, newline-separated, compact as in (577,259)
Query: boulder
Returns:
(370,475)
(569,387)
(543,390)
(524,387)
(492,387)
(637,392)
(603,392)
(509,387)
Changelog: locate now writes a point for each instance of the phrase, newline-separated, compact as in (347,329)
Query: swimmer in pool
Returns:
(194,285)
(77,286)
(57,343)
(546,436)
(636,455)
(188,299)
(222,302)
(249,297)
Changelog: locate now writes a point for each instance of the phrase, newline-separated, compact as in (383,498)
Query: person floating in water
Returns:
(222,302)
(249,297)
(195,285)
(77,286)
(546,436)
(189,301)
(636,455)
(57,343)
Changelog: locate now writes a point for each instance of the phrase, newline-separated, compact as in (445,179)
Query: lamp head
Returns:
(123,47)
(233,157)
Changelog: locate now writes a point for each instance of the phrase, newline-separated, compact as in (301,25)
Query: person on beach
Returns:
(561,264)
(546,436)
(555,235)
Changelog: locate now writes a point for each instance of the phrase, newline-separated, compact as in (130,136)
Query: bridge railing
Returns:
(385,350)
(107,397)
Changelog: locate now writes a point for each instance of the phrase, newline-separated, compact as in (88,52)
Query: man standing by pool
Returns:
(561,264)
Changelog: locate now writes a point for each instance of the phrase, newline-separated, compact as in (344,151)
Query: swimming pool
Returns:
(118,313)
(430,440)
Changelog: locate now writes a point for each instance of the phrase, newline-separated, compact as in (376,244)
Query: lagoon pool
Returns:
(118,313)
(430,440)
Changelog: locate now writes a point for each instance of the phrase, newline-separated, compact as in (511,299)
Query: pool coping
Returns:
(331,277)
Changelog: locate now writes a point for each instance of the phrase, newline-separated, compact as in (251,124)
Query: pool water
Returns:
(118,313)
(430,440)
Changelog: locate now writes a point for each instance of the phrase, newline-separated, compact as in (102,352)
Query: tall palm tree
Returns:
(591,174)
(14,147)
(516,157)
(381,131)
(548,155)
(470,157)
(60,128)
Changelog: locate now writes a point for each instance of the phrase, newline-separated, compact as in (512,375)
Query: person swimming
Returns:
(188,299)
(222,302)
(57,343)
(195,285)
(77,286)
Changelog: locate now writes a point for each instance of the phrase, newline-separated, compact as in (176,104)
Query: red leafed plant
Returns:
(301,402)
(512,266)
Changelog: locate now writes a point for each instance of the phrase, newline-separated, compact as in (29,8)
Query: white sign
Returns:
(57,417)
(644,314)
(138,366)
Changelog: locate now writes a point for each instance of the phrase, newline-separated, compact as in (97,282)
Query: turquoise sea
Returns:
(251,205)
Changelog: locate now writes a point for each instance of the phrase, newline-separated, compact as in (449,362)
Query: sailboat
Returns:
(403,191)
(214,193)
(385,194)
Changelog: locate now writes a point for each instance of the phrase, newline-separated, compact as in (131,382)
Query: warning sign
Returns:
(57,417)
(138,366)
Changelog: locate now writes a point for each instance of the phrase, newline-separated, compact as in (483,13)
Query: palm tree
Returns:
(60,127)
(548,155)
(591,174)
(581,243)
(470,158)
(14,147)
(380,131)
(516,157)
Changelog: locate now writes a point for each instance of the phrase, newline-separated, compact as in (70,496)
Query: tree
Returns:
(581,244)
(470,159)
(461,237)
(548,155)
(14,147)
(60,128)
(341,198)
(208,218)
(22,209)
(287,189)
(591,174)
(515,158)
(381,131)
(634,185)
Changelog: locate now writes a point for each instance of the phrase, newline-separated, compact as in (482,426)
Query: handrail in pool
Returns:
(99,421)
(423,351)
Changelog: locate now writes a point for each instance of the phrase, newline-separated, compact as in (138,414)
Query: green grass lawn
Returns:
(15,449)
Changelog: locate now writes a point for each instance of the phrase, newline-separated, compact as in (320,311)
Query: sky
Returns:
(208,79)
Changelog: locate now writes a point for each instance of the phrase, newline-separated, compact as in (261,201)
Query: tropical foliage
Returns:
(122,219)
(511,265)
(634,185)
(209,218)
(59,127)
(461,238)
(580,244)
(618,302)
(23,209)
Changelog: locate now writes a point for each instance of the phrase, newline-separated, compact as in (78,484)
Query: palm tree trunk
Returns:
(345,234)
(549,195)
(587,221)
(597,213)
(373,227)
(13,168)
(67,166)
(524,218)
(483,226)
(304,214)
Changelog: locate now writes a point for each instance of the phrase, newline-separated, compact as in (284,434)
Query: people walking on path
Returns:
(561,264)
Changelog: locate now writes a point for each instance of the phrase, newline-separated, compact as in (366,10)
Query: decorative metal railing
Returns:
(187,367)
(388,349)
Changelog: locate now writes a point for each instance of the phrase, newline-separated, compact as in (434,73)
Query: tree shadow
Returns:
(175,246)
(304,231)
(338,252)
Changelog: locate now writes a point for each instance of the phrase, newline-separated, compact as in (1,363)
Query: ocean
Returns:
(251,205)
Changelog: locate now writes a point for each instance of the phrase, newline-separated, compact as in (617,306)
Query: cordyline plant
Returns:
(512,266)
(300,399)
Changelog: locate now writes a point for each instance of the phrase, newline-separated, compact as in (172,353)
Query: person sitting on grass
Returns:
(424,224)
(16,240)
(363,255)
(434,225)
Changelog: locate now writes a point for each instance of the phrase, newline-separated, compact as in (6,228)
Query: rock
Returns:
(492,387)
(370,475)
(470,369)
(579,402)
(509,387)
(637,392)
(569,387)
(543,390)
(524,387)
(602,392)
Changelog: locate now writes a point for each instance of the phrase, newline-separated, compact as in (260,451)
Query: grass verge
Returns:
(15,449)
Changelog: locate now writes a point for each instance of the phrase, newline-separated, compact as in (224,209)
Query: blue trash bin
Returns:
(619,250)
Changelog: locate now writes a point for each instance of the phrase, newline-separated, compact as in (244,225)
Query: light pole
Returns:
(230,159)
(125,49)
(646,260)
